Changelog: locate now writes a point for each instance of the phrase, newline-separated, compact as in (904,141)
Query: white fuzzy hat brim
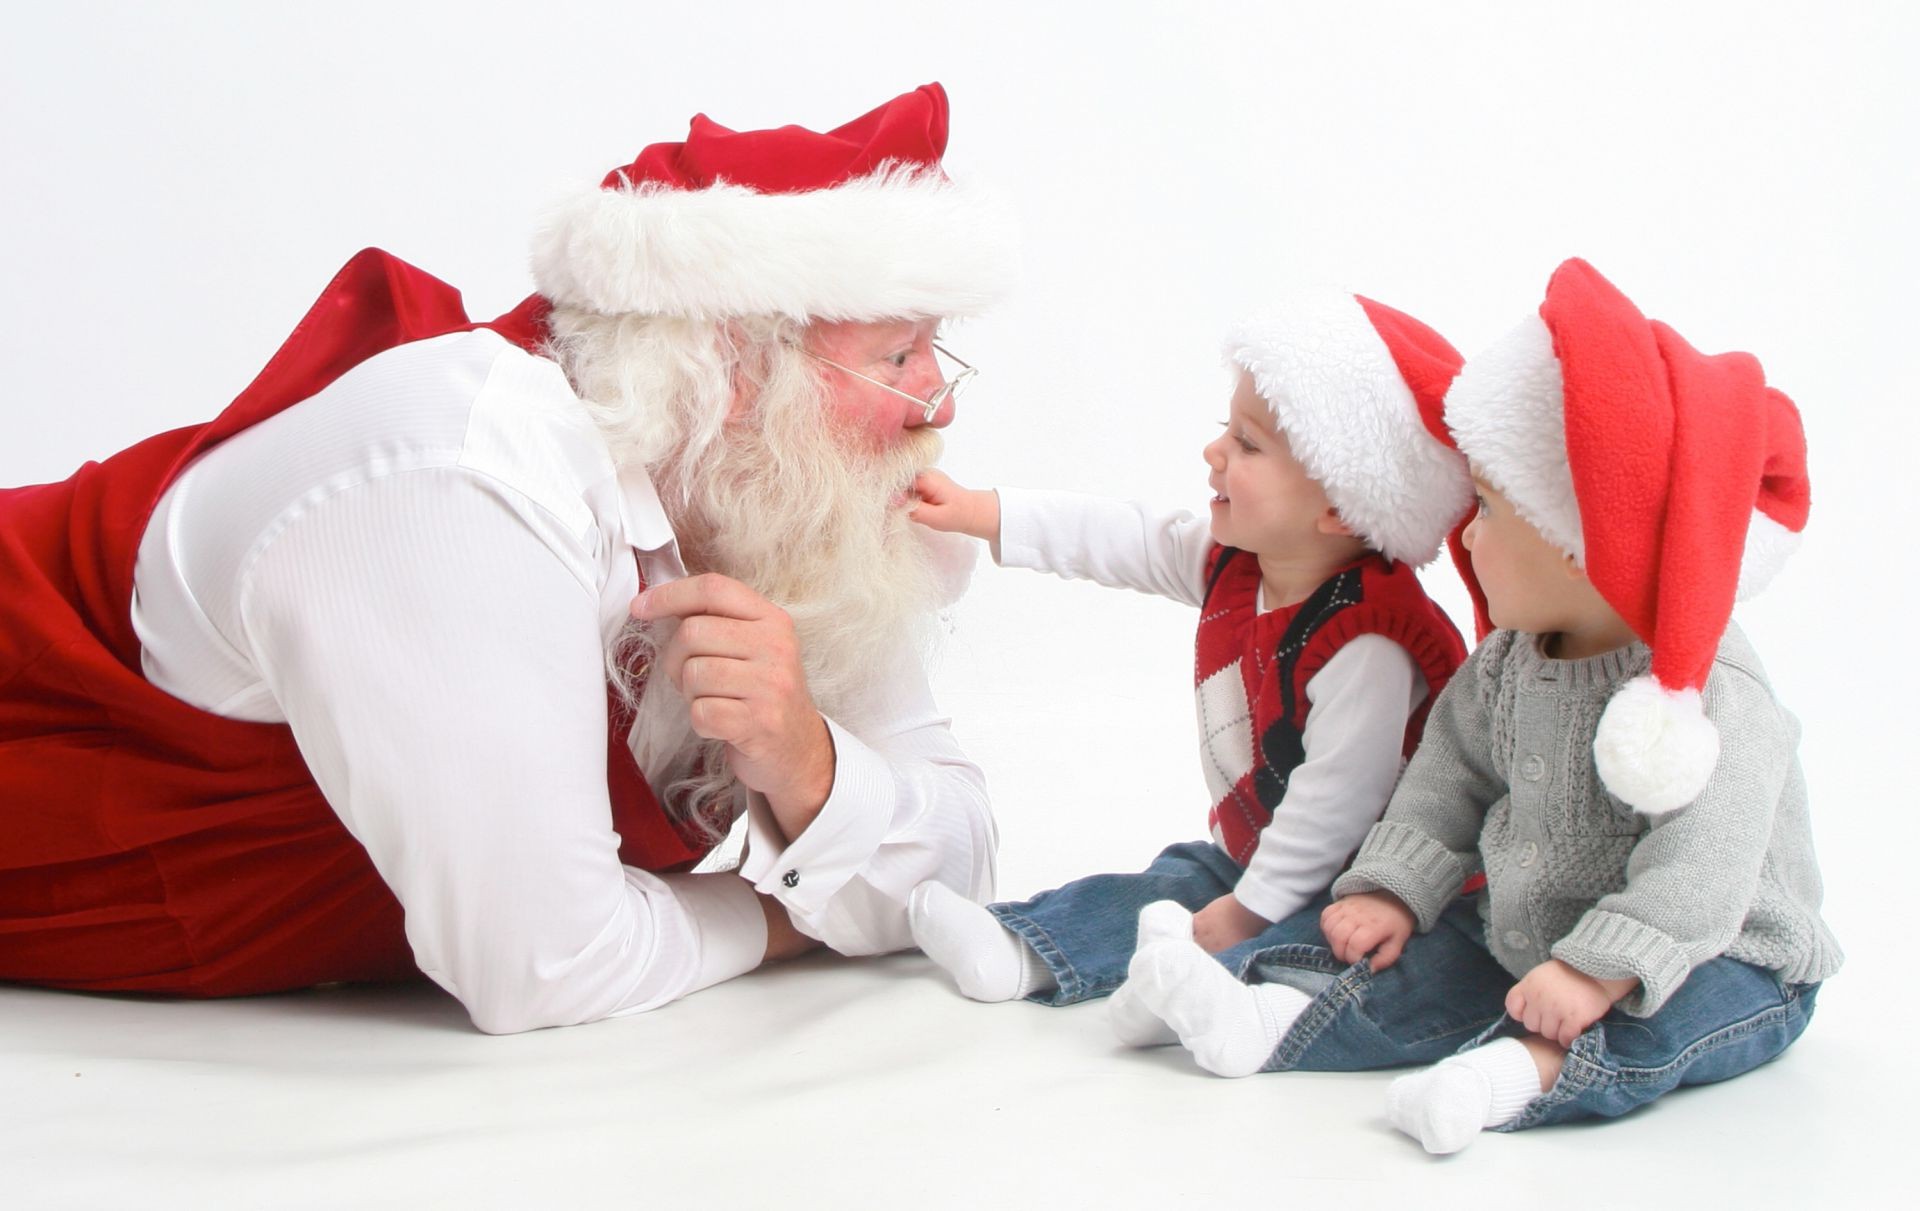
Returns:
(900,243)
(1507,413)
(1769,544)
(1353,423)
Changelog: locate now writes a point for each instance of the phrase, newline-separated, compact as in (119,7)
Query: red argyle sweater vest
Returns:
(1251,671)
(146,845)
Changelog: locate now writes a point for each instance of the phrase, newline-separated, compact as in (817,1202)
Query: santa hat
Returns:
(1677,479)
(1357,388)
(859,223)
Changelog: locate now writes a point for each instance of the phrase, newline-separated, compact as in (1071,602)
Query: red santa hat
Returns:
(1357,387)
(858,223)
(1677,479)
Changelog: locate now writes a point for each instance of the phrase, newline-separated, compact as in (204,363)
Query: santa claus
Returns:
(451,646)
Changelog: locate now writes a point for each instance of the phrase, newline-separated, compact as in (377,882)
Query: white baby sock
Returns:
(1133,1022)
(984,957)
(1447,1105)
(1231,1028)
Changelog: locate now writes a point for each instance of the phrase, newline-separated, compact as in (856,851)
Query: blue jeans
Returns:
(1446,994)
(1085,931)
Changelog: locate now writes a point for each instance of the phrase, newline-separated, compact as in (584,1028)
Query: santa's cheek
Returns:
(876,427)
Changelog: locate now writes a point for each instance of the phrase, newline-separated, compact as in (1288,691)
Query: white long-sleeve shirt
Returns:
(420,570)
(1361,698)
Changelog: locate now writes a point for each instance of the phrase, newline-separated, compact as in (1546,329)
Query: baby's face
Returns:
(1263,499)
(1531,585)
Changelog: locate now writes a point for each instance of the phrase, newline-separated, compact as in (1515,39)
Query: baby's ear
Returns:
(1331,522)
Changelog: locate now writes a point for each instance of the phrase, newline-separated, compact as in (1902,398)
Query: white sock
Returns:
(1231,1028)
(1446,1106)
(1133,1022)
(986,959)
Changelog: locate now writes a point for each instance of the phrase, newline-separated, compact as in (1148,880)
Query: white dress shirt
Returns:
(420,570)
(1361,698)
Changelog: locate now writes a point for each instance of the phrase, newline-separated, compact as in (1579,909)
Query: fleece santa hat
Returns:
(859,223)
(1357,387)
(1676,479)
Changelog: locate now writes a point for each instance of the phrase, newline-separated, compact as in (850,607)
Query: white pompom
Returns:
(1655,748)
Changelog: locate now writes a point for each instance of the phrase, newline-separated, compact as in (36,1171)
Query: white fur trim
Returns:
(898,244)
(1768,545)
(1508,413)
(1352,422)
(1655,748)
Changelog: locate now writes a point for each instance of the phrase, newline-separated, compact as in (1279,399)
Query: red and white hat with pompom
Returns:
(857,223)
(1357,387)
(1676,479)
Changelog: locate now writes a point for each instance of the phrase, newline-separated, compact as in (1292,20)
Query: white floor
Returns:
(828,1083)
(839,1083)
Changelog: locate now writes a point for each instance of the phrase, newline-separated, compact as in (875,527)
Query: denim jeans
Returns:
(1085,930)
(1446,994)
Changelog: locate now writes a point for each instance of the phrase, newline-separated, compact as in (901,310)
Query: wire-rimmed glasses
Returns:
(950,389)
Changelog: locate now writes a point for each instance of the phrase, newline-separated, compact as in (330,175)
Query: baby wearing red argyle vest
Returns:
(1316,656)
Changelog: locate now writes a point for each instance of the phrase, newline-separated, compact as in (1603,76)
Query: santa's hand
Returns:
(945,505)
(736,660)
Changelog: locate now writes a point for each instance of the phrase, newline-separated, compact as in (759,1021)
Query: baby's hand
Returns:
(1226,923)
(1559,1002)
(1371,924)
(945,505)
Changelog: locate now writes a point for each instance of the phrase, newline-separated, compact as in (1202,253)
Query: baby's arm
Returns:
(1352,744)
(1119,544)
(1692,876)
(1428,840)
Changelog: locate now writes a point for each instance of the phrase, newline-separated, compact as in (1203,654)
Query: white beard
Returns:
(815,521)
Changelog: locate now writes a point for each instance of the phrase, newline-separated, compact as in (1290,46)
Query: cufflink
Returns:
(790,879)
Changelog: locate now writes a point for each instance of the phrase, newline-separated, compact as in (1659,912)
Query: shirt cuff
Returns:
(728,921)
(1264,900)
(1019,530)
(1609,946)
(1405,861)
(805,873)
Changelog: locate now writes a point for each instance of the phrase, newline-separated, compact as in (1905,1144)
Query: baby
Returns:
(1612,758)
(1317,656)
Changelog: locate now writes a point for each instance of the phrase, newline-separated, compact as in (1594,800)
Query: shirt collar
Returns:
(645,521)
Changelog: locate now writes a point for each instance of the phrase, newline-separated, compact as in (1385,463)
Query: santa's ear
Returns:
(1330,522)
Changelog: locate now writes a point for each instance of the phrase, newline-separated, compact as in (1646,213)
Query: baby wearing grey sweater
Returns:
(1504,783)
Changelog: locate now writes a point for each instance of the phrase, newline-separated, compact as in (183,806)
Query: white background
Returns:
(179,184)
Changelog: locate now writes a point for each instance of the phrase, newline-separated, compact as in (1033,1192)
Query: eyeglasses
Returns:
(931,404)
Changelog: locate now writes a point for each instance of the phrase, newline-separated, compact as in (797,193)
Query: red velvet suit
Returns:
(148,845)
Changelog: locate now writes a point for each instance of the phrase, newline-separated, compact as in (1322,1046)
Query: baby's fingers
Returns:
(933,487)
(1387,953)
(1517,1004)
(1365,938)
